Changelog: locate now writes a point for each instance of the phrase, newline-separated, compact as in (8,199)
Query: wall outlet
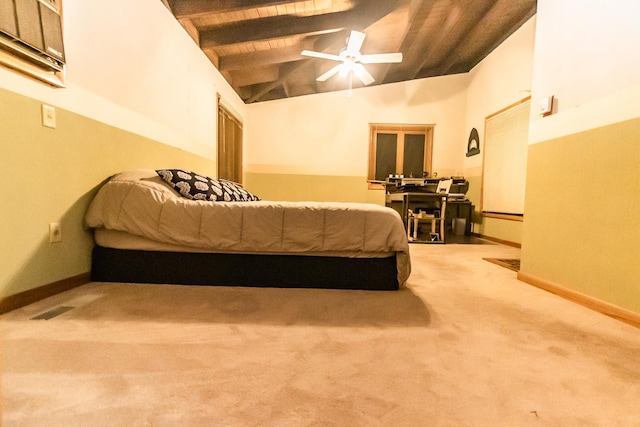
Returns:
(55,232)
(48,116)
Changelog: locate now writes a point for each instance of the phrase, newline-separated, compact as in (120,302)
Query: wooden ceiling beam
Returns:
(254,76)
(454,29)
(501,37)
(262,58)
(287,26)
(262,90)
(274,27)
(167,5)
(196,8)
(414,42)
(495,13)
(390,34)
(190,29)
(213,56)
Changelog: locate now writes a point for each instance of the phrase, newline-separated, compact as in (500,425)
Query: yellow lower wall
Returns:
(50,175)
(320,188)
(582,228)
(501,229)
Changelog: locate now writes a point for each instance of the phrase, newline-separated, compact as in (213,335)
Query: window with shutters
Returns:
(399,150)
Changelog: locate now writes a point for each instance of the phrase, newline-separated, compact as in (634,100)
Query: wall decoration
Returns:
(473,146)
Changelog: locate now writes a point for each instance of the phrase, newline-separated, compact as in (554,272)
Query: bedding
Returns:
(139,211)
(198,187)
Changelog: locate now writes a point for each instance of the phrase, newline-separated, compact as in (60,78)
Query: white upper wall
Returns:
(131,65)
(328,133)
(578,52)
(500,80)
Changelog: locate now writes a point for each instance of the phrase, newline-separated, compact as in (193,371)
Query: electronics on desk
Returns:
(412,181)
(456,197)
(399,184)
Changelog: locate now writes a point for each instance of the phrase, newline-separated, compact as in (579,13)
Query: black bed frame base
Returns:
(280,271)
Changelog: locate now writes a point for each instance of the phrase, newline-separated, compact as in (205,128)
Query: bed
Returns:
(146,231)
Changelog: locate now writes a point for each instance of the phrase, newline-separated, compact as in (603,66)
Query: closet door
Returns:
(229,145)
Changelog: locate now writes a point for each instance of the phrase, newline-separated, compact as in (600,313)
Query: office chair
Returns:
(434,214)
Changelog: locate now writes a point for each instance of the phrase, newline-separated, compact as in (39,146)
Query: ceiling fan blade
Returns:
(330,73)
(355,42)
(363,74)
(381,58)
(320,55)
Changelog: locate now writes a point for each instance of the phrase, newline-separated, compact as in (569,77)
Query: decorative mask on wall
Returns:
(473,145)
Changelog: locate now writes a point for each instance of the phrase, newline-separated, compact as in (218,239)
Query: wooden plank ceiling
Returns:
(256,44)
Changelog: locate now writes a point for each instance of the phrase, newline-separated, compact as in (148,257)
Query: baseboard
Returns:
(21,299)
(494,239)
(605,308)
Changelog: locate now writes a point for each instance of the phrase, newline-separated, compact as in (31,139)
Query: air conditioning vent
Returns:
(32,30)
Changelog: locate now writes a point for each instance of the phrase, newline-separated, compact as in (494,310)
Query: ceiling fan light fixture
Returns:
(346,67)
(352,60)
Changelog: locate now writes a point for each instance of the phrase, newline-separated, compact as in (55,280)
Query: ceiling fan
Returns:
(351,60)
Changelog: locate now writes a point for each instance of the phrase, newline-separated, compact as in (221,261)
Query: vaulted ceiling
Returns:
(257,44)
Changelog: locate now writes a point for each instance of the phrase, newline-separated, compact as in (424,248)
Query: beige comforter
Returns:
(142,204)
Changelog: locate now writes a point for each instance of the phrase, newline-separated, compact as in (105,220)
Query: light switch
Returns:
(545,105)
(48,116)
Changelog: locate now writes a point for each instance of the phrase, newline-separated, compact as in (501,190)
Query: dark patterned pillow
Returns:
(200,187)
(236,192)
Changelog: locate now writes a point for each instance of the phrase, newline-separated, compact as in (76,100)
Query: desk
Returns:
(404,201)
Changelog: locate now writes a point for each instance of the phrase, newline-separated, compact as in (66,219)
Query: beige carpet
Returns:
(466,344)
